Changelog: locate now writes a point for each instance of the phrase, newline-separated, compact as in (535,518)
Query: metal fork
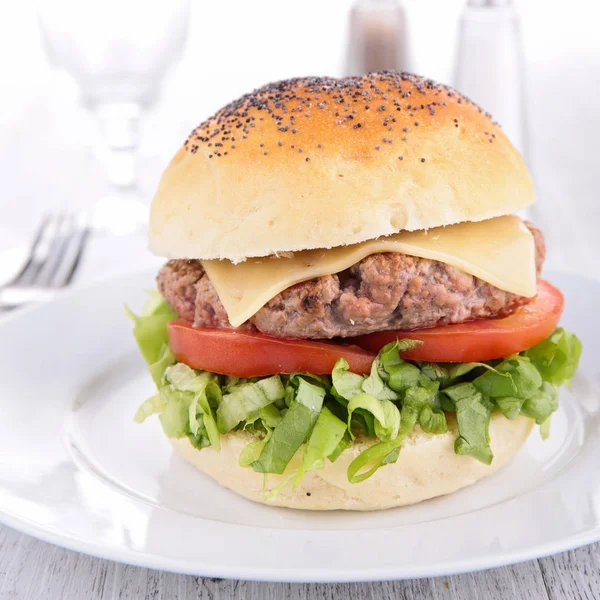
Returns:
(53,259)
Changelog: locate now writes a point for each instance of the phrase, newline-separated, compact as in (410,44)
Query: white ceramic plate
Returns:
(76,471)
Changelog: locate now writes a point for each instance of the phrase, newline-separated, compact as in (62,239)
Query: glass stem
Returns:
(124,209)
(119,128)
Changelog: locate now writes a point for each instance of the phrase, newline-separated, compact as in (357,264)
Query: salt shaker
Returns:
(377,38)
(489,67)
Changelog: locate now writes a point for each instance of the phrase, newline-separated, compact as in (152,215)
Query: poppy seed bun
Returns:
(322,162)
(427,467)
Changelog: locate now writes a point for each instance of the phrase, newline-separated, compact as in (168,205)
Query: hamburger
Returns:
(351,315)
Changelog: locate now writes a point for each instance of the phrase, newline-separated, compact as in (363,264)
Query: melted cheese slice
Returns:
(500,251)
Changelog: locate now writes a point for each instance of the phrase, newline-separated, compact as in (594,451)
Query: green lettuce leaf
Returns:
(426,401)
(382,453)
(345,383)
(154,405)
(495,384)
(244,400)
(515,376)
(293,430)
(432,420)
(385,413)
(270,416)
(150,327)
(201,407)
(557,357)
(510,406)
(163,362)
(452,373)
(473,412)
(204,394)
(252,451)
(371,459)
(185,379)
(375,386)
(541,404)
(436,371)
(408,420)
(545,428)
(342,445)
(199,440)
(400,374)
(175,418)
(322,443)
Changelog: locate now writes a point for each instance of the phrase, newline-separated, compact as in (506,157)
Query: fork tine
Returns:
(57,249)
(72,256)
(37,251)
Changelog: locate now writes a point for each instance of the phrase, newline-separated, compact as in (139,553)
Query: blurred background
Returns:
(97,96)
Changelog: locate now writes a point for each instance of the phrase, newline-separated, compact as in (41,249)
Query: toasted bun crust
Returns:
(321,162)
(427,467)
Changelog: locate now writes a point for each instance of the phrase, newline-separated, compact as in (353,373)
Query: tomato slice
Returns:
(247,354)
(484,339)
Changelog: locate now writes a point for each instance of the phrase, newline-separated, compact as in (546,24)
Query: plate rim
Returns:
(300,574)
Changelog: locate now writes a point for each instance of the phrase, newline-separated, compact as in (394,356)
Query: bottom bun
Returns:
(427,467)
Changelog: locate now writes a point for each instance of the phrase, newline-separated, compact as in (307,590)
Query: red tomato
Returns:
(484,339)
(246,354)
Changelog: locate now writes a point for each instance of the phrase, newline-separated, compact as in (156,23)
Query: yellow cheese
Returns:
(500,251)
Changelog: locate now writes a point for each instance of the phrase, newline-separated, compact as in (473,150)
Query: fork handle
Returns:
(14,297)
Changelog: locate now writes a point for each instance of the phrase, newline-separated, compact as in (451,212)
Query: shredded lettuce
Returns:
(150,328)
(163,362)
(252,451)
(293,430)
(545,428)
(175,418)
(244,401)
(473,412)
(510,406)
(324,441)
(382,453)
(375,386)
(371,459)
(343,444)
(399,374)
(541,404)
(557,357)
(433,420)
(385,413)
(345,383)
(154,405)
(300,421)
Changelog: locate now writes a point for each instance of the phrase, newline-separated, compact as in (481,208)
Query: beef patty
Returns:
(382,291)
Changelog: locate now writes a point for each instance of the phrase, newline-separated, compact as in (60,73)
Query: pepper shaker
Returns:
(377,38)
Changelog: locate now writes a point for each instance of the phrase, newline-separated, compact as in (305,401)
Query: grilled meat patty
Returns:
(383,291)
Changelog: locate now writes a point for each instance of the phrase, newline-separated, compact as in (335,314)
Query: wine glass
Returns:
(117,51)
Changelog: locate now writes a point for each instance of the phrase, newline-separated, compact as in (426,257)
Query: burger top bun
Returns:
(321,162)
